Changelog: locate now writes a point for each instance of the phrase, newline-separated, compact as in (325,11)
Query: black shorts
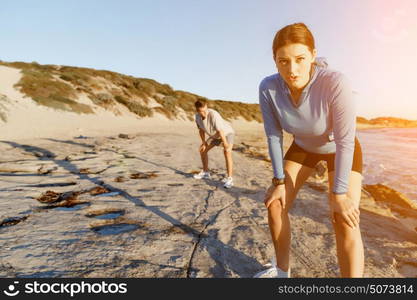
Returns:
(218,141)
(310,159)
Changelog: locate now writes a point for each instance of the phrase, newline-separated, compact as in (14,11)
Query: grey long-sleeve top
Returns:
(324,121)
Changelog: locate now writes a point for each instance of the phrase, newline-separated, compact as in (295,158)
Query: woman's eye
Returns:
(300,59)
(282,62)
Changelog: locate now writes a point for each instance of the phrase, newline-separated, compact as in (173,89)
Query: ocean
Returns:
(390,158)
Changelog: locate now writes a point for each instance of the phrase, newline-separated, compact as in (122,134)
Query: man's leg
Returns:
(204,156)
(228,154)
(229,160)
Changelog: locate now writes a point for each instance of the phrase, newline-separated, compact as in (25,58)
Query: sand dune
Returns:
(26,119)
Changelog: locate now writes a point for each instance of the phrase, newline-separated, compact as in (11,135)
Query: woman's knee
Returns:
(277,211)
(342,228)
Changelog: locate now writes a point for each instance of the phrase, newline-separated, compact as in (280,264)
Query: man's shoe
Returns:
(202,174)
(224,179)
(228,183)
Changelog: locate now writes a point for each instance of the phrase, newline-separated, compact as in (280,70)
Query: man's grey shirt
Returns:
(212,123)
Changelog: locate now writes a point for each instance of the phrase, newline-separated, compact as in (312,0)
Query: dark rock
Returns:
(12,221)
(388,195)
(120,179)
(126,136)
(84,171)
(320,171)
(98,190)
(143,175)
(48,197)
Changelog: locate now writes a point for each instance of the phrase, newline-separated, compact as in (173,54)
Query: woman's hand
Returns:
(344,206)
(275,193)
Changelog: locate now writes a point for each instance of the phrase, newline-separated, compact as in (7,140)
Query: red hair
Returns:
(292,34)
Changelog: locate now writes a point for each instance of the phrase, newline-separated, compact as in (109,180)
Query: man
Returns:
(220,132)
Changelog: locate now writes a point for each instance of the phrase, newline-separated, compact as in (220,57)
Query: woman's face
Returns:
(294,62)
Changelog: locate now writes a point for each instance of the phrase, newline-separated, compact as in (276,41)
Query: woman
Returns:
(316,105)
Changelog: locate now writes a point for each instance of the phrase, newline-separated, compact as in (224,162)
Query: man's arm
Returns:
(202,135)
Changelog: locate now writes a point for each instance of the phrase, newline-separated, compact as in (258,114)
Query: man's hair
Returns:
(200,103)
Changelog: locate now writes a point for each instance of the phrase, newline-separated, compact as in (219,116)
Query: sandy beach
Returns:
(129,207)
(113,195)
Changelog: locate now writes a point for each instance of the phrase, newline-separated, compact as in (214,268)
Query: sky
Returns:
(221,49)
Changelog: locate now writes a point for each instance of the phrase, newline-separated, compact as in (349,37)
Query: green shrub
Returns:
(39,83)
(102,99)
(76,78)
(169,104)
(3,101)
(139,109)
(165,112)
(62,103)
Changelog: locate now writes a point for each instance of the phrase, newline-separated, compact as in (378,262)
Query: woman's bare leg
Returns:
(278,220)
(350,252)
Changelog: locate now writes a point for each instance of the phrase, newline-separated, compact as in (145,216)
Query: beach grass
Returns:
(59,87)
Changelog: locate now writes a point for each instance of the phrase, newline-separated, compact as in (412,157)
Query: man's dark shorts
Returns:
(218,141)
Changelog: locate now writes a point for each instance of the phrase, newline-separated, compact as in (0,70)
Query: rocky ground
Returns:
(128,206)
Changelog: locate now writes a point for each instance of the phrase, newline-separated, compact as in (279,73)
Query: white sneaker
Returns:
(202,174)
(228,183)
(273,272)
(224,179)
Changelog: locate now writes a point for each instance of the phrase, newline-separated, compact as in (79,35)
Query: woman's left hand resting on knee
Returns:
(344,205)
(275,193)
